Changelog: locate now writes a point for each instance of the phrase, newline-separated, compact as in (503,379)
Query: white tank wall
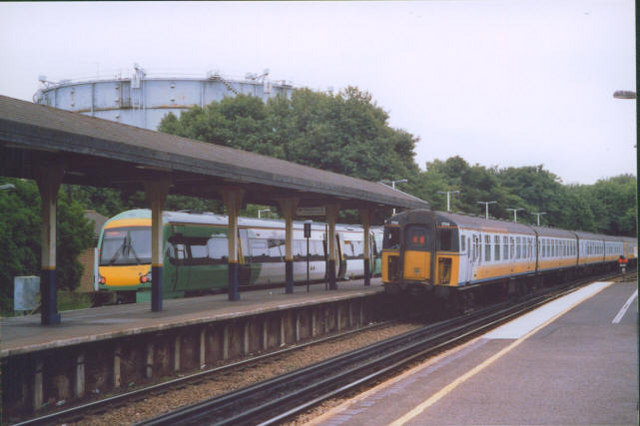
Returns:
(145,107)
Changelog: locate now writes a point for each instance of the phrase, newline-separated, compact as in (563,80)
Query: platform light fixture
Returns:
(538,214)
(486,207)
(448,197)
(515,214)
(393,185)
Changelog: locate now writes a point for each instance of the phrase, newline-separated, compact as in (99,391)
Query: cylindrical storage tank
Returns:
(143,101)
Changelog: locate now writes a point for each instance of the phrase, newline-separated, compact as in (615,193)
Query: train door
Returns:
(465,258)
(342,261)
(175,271)
(419,256)
(475,254)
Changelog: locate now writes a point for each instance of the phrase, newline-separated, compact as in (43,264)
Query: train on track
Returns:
(460,256)
(196,254)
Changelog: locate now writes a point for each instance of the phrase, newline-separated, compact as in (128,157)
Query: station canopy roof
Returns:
(104,153)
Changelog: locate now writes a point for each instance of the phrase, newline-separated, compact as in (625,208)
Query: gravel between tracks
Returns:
(225,382)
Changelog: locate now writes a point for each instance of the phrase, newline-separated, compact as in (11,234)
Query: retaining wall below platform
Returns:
(33,382)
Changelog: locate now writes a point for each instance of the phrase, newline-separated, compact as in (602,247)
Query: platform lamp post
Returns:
(486,207)
(448,197)
(538,214)
(262,211)
(515,214)
(393,185)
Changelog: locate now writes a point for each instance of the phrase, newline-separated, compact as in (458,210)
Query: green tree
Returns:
(20,238)
(345,133)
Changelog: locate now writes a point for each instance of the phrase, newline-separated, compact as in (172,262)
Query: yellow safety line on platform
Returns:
(460,380)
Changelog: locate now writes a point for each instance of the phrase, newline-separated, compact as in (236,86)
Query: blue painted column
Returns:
(156,194)
(332,217)
(49,179)
(233,201)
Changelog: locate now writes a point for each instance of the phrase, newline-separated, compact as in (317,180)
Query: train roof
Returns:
(222,220)
(544,231)
(480,223)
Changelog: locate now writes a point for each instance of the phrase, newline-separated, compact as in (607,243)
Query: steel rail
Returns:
(296,391)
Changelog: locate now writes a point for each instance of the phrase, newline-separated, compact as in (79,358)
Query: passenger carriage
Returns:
(455,253)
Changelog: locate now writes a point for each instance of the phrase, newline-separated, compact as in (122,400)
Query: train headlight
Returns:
(102,280)
(145,278)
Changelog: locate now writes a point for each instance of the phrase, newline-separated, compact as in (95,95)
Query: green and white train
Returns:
(196,254)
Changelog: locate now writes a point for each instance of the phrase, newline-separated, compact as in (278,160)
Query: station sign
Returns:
(311,211)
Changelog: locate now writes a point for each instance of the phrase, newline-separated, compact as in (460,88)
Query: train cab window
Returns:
(417,238)
(446,239)
(391,239)
(496,242)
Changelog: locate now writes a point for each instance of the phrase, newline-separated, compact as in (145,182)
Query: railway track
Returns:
(77,413)
(276,400)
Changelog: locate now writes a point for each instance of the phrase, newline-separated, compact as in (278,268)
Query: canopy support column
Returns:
(288,207)
(156,195)
(365,216)
(233,202)
(332,217)
(49,179)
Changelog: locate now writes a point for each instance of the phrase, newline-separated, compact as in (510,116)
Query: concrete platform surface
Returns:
(573,361)
(19,335)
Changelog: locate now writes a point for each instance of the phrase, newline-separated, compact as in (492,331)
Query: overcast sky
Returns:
(500,83)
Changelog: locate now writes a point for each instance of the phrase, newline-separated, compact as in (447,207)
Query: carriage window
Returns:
(218,248)
(487,248)
(518,248)
(276,248)
(496,241)
(511,247)
(463,246)
(505,247)
(391,239)
(258,249)
(417,238)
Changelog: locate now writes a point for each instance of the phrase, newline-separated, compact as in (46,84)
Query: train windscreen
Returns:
(126,246)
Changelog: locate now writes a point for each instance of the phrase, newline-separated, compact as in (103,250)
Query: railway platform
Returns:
(101,350)
(572,361)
